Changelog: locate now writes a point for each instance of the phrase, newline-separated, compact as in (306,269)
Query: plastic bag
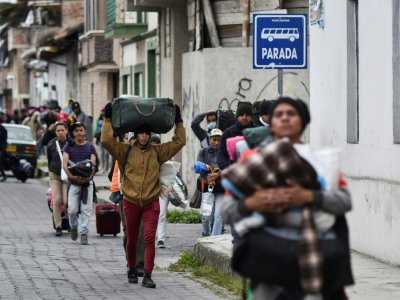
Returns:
(168,172)
(207,203)
(326,163)
(178,195)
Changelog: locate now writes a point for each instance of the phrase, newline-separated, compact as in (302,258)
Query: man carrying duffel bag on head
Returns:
(141,186)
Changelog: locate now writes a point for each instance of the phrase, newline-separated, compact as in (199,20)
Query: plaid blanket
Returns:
(270,167)
(273,166)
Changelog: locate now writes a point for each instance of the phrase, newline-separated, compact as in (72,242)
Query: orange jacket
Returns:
(114,182)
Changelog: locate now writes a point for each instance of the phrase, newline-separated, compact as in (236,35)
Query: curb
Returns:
(216,251)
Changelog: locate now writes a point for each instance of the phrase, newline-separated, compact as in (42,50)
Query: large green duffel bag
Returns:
(130,113)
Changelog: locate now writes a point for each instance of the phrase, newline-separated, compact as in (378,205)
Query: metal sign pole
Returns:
(280,82)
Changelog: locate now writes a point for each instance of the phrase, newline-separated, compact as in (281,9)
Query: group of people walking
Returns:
(136,178)
(255,176)
(271,208)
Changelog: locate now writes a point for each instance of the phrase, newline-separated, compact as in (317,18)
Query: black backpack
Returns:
(226,118)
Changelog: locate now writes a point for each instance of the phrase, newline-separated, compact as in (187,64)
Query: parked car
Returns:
(21,143)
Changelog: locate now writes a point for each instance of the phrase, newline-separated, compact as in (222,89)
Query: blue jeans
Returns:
(208,222)
(218,224)
(85,209)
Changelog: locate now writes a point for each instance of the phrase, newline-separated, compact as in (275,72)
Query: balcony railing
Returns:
(121,23)
(156,3)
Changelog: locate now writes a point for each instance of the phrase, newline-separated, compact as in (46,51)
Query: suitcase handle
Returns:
(135,104)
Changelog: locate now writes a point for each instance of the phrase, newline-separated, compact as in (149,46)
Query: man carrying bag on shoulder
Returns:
(141,186)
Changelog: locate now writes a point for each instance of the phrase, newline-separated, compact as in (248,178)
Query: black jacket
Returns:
(3,139)
(48,136)
(53,158)
(200,133)
(223,160)
(209,156)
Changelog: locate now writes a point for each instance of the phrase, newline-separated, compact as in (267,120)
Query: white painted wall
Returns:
(136,53)
(214,74)
(373,165)
(58,78)
(129,54)
(152,20)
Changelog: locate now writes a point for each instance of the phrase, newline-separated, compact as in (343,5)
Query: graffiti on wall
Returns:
(244,86)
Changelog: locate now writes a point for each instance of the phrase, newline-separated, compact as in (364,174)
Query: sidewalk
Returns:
(374,280)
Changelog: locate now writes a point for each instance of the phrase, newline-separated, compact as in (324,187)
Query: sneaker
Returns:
(140,271)
(160,244)
(132,276)
(58,231)
(84,239)
(148,282)
(74,234)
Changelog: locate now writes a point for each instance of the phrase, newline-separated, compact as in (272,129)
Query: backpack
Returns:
(226,118)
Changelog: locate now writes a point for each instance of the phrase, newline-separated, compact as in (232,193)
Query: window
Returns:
(139,72)
(167,33)
(125,84)
(396,70)
(138,84)
(90,15)
(352,73)
(141,17)
(151,73)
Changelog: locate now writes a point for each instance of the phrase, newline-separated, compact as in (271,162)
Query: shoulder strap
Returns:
(126,160)
(59,150)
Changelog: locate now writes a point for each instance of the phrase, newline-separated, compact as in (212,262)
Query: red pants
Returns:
(133,215)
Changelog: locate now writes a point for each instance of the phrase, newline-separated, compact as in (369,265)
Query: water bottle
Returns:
(207,202)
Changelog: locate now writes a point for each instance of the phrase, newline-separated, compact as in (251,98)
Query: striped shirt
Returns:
(79,153)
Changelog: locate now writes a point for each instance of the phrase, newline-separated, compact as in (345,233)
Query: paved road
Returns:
(37,265)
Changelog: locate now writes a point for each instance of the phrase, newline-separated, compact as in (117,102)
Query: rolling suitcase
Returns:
(108,220)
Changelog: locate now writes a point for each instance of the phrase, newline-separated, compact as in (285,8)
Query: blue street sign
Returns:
(279,41)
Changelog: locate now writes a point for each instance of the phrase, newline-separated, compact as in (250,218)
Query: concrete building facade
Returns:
(99,64)
(217,71)
(355,105)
